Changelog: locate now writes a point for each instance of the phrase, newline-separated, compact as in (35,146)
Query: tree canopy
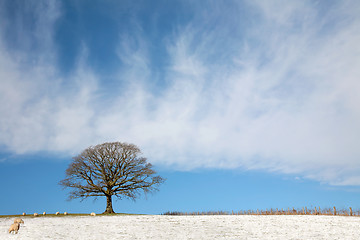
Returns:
(110,169)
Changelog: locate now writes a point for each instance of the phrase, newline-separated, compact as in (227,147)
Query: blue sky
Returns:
(239,104)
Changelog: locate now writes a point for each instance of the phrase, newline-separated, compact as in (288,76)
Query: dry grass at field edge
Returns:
(303,211)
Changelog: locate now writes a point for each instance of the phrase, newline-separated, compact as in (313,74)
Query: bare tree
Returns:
(110,169)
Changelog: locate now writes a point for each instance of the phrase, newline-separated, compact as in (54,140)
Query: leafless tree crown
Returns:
(110,169)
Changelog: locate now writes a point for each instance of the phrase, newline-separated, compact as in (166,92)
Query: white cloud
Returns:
(280,94)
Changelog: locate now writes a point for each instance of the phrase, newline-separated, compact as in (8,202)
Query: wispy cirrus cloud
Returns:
(246,85)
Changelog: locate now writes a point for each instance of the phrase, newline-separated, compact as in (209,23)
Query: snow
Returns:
(184,227)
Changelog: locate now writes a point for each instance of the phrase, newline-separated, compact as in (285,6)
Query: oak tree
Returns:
(110,169)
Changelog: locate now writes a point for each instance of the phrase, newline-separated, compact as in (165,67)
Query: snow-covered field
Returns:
(185,227)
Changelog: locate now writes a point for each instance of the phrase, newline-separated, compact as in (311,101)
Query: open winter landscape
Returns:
(186,227)
(179,119)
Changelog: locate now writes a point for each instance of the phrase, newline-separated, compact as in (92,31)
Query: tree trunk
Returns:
(109,208)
